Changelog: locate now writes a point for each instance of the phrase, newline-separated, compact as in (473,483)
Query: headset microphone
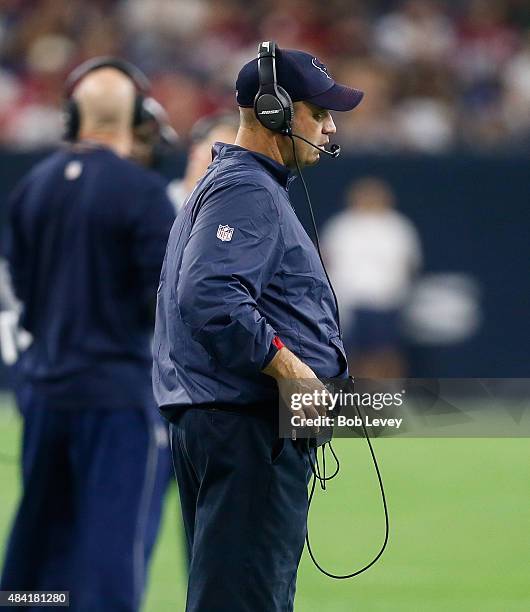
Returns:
(333,152)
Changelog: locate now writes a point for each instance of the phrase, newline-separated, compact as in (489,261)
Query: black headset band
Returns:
(139,79)
(267,67)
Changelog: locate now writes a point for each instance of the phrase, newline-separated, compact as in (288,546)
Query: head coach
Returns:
(87,231)
(244,302)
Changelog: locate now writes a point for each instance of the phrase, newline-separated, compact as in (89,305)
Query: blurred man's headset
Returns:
(273,106)
(146,109)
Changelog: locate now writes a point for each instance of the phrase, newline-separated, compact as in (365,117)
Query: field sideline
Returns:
(459,521)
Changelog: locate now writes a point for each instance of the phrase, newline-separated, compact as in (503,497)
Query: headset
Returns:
(72,114)
(273,106)
(274,109)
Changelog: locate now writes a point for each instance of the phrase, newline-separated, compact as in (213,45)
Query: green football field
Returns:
(459,520)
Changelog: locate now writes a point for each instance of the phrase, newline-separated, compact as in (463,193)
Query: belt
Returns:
(263,410)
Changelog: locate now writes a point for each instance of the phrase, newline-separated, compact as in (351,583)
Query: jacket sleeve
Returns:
(233,252)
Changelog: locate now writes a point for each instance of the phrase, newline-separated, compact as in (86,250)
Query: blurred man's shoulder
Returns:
(43,170)
(48,164)
(71,161)
(130,176)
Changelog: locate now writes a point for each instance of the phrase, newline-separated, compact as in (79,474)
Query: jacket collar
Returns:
(278,171)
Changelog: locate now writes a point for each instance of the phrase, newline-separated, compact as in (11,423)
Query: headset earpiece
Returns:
(273,106)
(288,107)
(71,120)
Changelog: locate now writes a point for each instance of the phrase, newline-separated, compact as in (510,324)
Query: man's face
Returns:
(201,152)
(316,125)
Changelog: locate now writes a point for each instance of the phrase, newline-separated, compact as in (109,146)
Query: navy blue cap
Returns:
(304,77)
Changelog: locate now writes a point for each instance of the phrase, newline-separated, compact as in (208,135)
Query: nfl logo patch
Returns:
(224,233)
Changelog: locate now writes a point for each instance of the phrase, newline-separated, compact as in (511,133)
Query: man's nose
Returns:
(329,126)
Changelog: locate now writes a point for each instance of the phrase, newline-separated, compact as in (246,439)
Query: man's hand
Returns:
(294,377)
(13,339)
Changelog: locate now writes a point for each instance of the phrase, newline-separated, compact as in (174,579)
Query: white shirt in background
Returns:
(372,258)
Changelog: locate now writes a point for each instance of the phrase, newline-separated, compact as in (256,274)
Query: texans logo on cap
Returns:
(320,66)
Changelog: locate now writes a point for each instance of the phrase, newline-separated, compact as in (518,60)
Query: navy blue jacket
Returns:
(87,232)
(240,269)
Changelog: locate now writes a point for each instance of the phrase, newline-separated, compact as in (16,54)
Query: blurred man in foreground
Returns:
(87,233)
(374,254)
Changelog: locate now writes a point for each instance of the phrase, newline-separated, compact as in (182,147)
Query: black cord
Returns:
(383,497)
(315,468)
(323,483)
(316,241)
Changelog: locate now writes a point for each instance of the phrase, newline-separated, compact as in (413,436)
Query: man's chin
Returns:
(314,159)
(308,160)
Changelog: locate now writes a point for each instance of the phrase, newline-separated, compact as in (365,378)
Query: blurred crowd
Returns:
(438,74)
